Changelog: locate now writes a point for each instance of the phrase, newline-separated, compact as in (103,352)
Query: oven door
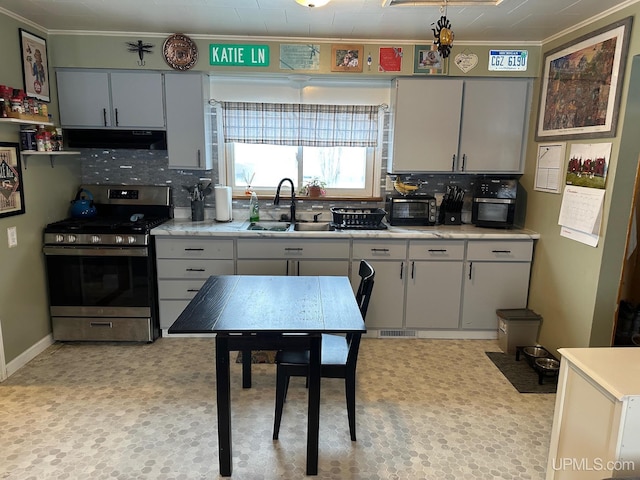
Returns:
(99,281)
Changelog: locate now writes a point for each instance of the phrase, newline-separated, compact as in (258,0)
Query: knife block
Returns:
(452,218)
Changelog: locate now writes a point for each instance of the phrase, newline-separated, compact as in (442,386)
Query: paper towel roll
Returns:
(223,203)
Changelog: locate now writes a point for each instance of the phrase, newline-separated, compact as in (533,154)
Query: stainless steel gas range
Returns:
(101,269)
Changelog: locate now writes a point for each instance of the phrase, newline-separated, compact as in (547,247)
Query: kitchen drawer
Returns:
(179,289)
(102,329)
(292,248)
(193,268)
(438,250)
(390,250)
(170,310)
(194,248)
(505,251)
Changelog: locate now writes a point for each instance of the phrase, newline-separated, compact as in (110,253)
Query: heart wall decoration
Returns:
(466,61)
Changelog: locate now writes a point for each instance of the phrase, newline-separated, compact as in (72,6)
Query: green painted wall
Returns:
(574,286)
(23,295)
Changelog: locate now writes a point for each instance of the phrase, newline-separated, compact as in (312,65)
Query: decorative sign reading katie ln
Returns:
(239,55)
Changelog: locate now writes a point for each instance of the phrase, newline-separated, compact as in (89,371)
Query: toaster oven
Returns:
(411,210)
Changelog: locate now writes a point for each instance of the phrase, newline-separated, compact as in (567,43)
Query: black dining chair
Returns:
(338,359)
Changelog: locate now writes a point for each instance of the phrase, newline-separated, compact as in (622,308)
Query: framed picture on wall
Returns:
(582,85)
(35,66)
(427,59)
(347,58)
(11,187)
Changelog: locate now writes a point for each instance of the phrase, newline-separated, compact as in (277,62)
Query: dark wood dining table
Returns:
(250,312)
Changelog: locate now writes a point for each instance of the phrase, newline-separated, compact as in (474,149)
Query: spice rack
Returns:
(24,121)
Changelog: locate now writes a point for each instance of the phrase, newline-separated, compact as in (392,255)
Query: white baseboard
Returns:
(32,352)
(441,334)
(165,333)
(3,366)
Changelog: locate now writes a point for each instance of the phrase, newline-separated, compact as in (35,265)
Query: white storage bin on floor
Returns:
(517,327)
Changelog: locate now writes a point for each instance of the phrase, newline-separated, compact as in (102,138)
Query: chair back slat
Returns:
(367,275)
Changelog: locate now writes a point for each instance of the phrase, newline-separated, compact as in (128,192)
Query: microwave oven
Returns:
(499,203)
(417,210)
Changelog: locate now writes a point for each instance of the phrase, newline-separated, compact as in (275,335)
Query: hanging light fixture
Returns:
(443,33)
(312,3)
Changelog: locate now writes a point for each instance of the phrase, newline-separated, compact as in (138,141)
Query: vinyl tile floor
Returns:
(426,409)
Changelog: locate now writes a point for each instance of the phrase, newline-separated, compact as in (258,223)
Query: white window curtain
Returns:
(300,124)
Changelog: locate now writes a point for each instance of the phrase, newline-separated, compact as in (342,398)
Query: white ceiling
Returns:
(512,21)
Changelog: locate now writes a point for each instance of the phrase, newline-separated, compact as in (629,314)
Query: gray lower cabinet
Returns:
(183,266)
(269,256)
(496,276)
(434,283)
(388,259)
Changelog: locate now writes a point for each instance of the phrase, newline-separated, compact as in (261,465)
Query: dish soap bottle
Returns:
(254,208)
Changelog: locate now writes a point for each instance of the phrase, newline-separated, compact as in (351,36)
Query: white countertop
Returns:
(178,227)
(616,369)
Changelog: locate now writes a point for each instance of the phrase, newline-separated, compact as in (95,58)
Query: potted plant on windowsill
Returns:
(314,188)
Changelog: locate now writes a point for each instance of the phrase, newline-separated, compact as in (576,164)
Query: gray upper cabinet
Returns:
(188,124)
(493,127)
(102,99)
(425,125)
(459,126)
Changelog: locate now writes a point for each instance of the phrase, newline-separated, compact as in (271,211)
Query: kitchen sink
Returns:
(313,227)
(269,226)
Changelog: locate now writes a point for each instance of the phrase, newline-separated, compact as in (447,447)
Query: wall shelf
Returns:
(52,155)
(19,121)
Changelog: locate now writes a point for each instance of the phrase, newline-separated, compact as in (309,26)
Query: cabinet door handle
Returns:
(413,269)
(193,290)
(199,161)
(437,250)
(195,269)
(293,249)
(464,161)
(117,121)
(470,268)
(193,249)
(401,269)
(500,251)
(453,163)
(379,249)
(104,116)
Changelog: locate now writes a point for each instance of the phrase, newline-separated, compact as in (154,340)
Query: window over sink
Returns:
(331,136)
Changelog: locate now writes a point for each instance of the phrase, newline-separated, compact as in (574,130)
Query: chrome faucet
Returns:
(276,200)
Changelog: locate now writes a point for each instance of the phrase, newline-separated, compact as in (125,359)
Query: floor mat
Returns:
(259,356)
(521,375)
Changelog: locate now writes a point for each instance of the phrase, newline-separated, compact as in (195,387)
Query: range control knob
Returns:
(72,239)
(95,239)
(59,238)
(119,239)
(131,240)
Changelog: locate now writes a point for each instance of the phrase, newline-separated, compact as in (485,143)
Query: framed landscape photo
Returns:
(11,188)
(347,58)
(35,66)
(582,85)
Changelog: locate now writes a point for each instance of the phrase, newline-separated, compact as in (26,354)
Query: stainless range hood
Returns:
(123,139)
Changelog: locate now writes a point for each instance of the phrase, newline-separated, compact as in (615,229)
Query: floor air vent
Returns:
(397,333)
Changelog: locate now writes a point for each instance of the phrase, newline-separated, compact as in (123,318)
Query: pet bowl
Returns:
(533,353)
(548,364)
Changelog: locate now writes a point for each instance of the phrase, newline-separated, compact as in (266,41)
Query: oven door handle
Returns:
(97,251)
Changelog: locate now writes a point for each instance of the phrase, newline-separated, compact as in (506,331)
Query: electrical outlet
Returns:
(12,236)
